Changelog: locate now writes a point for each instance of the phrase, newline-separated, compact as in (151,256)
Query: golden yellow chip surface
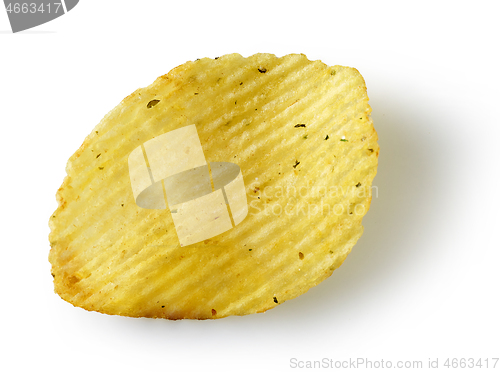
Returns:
(226,187)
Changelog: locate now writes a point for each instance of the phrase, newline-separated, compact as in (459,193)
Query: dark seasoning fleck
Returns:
(262,70)
(300,126)
(275,299)
(152,103)
(296,163)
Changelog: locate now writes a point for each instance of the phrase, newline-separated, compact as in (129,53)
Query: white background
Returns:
(422,282)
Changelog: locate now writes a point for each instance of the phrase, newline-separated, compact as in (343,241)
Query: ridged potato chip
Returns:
(226,187)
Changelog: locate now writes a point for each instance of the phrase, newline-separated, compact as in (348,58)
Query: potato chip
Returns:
(226,187)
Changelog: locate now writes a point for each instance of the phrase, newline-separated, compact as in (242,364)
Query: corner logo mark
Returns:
(170,171)
(25,15)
